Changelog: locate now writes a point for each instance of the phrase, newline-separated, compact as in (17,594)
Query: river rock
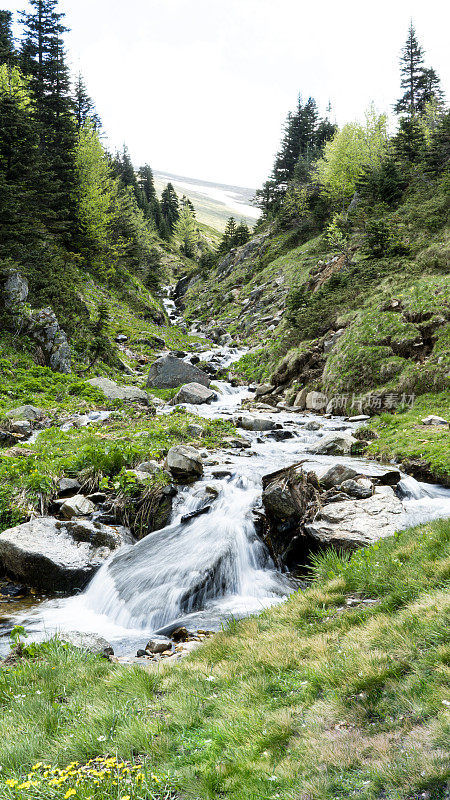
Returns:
(360,488)
(168,372)
(263,389)
(335,444)
(433,420)
(290,498)
(300,399)
(355,523)
(68,486)
(157,647)
(148,466)
(316,401)
(77,506)
(113,391)
(30,413)
(250,423)
(336,475)
(89,642)
(58,556)
(184,463)
(194,393)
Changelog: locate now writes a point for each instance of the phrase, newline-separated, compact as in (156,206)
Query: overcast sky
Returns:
(201,87)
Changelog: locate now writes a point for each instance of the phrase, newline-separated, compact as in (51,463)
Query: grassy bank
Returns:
(342,691)
(402,436)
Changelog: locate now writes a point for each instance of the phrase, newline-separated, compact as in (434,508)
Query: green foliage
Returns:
(186,232)
(350,150)
(382,239)
(367,677)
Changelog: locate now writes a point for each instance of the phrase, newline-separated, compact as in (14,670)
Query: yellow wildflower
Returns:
(69,793)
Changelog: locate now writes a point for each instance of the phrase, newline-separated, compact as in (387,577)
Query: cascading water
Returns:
(201,571)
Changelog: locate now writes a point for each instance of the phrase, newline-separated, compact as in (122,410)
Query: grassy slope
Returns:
(324,697)
(377,349)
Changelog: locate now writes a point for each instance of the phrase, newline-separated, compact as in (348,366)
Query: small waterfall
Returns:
(184,567)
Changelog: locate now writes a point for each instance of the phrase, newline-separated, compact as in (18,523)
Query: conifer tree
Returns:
(228,238)
(43,58)
(242,235)
(7,49)
(84,105)
(170,207)
(20,166)
(421,84)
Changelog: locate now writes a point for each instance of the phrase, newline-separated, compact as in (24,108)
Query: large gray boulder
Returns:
(336,475)
(54,555)
(113,391)
(89,642)
(336,444)
(184,463)
(251,423)
(194,393)
(168,372)
(355,523)
(30,413)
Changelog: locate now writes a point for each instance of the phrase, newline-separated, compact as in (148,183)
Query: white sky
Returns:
(201,87)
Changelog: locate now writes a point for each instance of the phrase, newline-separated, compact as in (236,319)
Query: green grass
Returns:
(97,452)
(402,436)
(315,699)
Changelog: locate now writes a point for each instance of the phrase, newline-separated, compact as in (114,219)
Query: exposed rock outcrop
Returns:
(41,325)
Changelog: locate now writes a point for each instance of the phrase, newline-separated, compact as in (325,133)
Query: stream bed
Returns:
(202,572)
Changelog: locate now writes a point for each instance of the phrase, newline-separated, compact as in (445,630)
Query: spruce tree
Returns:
(43,58)
(169,207)
(429,89)
(421,84)
(228,238)
(7,49)
(242,235)
(84,105)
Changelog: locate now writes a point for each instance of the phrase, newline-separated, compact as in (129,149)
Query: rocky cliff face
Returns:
(40,325)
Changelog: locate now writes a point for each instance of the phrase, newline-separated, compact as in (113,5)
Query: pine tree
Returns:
(20,166)
(303,139)
(7,49)
(228,238)
(169,208)
(84,105)
(242,235)
(429,89)
(409,143)
(421,84)
(43,58)
(146,184)
(186,232)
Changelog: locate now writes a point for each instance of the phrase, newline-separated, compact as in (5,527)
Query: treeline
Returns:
(322,173)
(66,204)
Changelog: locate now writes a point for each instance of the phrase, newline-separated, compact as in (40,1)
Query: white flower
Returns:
(210,678)
(101,738)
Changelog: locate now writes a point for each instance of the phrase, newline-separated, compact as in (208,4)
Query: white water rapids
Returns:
(214,566)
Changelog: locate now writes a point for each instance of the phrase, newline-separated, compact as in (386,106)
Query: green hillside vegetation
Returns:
(340,691)
(354,241)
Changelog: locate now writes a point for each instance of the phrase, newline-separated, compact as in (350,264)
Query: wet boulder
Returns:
(77,506)
(184,463)
(195,394)
(336,475)
(253,423)
(27,412)
(335,444)
(360,488)
(55,555)
(168,372)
